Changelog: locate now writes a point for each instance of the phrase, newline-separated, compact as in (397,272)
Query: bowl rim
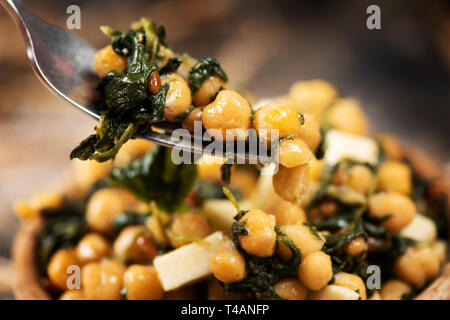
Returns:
(27,283)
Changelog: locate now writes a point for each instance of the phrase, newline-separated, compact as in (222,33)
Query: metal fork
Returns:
(63,62)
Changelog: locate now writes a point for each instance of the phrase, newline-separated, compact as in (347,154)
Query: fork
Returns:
(63,62)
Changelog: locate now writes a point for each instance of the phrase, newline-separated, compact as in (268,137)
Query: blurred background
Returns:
(399,73)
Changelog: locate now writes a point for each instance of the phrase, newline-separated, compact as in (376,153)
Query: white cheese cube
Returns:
(221,212)
(334,292)
(187,263)
(345,146)
(422,229)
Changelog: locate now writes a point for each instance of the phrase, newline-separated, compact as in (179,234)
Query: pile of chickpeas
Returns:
(114,266)
(230,115)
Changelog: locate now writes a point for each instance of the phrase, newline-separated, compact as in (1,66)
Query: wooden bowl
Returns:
(28,283)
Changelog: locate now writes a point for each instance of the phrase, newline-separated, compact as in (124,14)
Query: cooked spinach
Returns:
(202,70)
(63,228)
(171,66)
(212,190)
(155,177)
(225,173)
(128,219)
(129,108)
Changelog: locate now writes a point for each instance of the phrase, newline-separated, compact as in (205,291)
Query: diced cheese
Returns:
(221,213)
(334,292)
(346,195)
(264,196)
(345,146)
(422,229)
(187,263)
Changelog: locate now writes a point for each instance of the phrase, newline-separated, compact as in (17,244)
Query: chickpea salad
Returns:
(343,215)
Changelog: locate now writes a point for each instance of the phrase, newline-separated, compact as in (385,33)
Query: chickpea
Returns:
(293,152)
(315,270)
(316,168)
(58,265)
(279,117)
(189,122)
(244,181)
(291,289)
(189,292)
(92,247)
(291,183)
(346,115)
(134,244)
(207,90)
(45,199)
(394,290)
(187,227)
(86,173)
(72,295)
(312,97)
(227,263)
(391,146)
(287,213)
(440,249)
(102,280)
(217,292)
(208,167)
(356,247)
(399,207)
(228,113)
(261,238)
(303,238)
(104,205)
(142,283)
(394,176)
(132,149)
(351,281)
(107,60)
(417,265)
(359,178)
(328,208)
(178,98)
(310,131)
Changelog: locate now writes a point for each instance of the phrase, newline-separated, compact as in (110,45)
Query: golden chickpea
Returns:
(187,227)
(351,281)
(417,265)
(316,270)
(310,132)
(312,97)
(291,289)
(291,183)
(227,263)
(399,207)
(207,90)
(356,247)
(72,295)
(287,213)
(228,113)
(92,247)
(391,146)
(346,115)
(440,249)
(189,292)
(132,149)
(261,238)
(102,280)
(303,238)
(189,122)
(279,117)
(134,244)
(107,60)
(293,152)
(104,206)
(142,283)
(394,176)
(208,167)
(359,178)
(316,168)
(58,265)
(178,98)
(86,173)
(394,290)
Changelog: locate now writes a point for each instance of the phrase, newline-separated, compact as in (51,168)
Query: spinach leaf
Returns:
(63,228)
(211,190)
(156,177)
(225,173)
(171,66)
(128,219)
(202,70)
